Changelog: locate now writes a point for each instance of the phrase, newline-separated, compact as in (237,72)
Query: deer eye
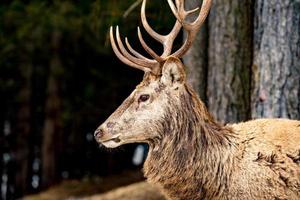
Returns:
(144,97)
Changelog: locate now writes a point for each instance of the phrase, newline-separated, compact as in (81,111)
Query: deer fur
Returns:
(191,156)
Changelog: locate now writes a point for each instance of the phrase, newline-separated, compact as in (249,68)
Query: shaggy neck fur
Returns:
(192,157)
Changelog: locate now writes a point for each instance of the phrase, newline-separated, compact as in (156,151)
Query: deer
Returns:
(191,155)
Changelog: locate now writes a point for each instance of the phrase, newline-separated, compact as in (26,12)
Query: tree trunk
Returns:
(22,150)
(230,60)
(196,59)
(276,68)
(52,126)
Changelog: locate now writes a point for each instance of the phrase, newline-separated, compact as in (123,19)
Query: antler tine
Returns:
(122,57)
(166,40)
(134,52)
(191,28)
(150,31)
(144,62)
(147,48)
(205,8)
(137,60)
(201,17)
(170,38)
(174,10)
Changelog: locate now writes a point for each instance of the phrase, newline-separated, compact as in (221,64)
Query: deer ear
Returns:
(173,72)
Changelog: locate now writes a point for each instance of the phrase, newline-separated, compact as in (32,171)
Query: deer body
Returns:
(254,160)
(191,155)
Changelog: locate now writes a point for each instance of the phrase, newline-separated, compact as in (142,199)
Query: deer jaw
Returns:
(141,115)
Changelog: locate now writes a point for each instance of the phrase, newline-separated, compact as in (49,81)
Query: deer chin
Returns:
(112,143)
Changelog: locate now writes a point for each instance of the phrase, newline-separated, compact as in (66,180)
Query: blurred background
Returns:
(59,80)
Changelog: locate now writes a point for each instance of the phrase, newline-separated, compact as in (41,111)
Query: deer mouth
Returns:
(112,143)
(116,140)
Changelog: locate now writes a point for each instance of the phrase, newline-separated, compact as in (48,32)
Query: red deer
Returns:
(191,155)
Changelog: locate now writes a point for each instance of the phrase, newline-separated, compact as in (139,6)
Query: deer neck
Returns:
(195,154)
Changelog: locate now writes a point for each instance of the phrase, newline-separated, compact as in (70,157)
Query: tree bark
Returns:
(196,59)
(52,126)
(230,60)
(276,68)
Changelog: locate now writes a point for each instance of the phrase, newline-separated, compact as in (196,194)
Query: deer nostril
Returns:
(110,124)
(99,133)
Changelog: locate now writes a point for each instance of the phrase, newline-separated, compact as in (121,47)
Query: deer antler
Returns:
(136,60)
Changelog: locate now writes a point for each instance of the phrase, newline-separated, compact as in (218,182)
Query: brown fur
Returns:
(192,156)
(185,163)
(204,160)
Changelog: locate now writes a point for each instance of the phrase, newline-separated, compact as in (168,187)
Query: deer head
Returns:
(142,116)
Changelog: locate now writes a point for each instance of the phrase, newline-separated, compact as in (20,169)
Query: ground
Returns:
(101,188)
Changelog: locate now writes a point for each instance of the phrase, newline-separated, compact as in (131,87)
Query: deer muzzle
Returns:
(103,136)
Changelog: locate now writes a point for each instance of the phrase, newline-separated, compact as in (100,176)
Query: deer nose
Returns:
(110,124)
(99,133)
